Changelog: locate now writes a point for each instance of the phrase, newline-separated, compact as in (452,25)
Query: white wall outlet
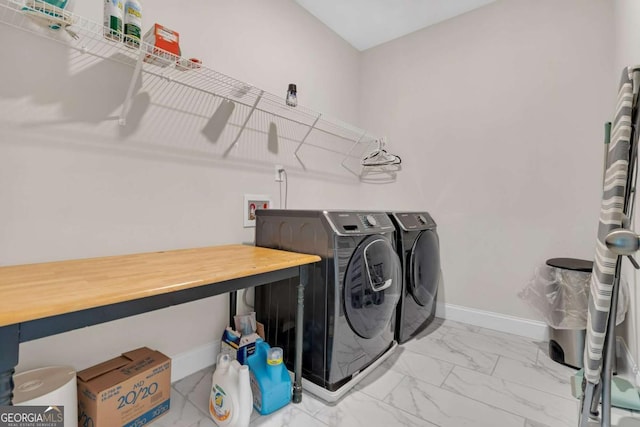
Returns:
(279,169)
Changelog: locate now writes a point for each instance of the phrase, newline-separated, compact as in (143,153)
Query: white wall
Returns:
(73,184)
(627,52)
(498,115)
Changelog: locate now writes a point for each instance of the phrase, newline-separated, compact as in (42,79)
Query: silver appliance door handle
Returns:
(382,287)
(387,283)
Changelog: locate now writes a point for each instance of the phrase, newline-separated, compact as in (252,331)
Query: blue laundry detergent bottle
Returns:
(270,380)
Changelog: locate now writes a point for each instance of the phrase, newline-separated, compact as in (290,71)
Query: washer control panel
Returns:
(359,222)
(369,221)
(415,220)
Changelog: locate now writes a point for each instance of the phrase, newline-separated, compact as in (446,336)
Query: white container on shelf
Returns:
(53,13)
(132,23)
(113,17)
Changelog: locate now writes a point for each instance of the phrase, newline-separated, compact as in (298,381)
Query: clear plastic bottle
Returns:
(292,95)
(132,23)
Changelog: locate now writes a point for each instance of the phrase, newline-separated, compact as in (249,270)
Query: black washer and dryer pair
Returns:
(419,251)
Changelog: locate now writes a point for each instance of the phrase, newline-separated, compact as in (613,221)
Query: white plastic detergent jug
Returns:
(231,401)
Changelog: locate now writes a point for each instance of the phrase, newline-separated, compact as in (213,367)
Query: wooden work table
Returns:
(39,300)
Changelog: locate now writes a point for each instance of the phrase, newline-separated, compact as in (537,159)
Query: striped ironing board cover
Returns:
(611,214)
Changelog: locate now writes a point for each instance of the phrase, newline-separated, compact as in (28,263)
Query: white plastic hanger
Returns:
(380,156)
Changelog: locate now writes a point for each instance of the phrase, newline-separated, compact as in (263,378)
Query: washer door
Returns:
(424,271)
(372,286)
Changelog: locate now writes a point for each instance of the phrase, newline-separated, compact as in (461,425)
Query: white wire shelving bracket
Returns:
(87,37)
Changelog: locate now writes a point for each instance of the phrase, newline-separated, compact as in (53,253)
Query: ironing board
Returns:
(616,203)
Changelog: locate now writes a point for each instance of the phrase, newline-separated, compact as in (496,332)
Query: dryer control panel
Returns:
(346,223)
(415,220)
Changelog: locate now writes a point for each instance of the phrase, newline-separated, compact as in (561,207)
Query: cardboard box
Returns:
(164,46)
(129,390)
(239,347)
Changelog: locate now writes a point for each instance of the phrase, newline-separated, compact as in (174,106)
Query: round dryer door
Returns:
(372,286)
(424,272)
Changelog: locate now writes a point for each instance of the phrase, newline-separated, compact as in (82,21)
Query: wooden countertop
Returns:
(35,291)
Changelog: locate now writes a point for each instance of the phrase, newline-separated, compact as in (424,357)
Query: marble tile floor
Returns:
(452,375)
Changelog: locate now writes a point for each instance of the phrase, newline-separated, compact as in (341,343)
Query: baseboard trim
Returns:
(189,362)
(499,322)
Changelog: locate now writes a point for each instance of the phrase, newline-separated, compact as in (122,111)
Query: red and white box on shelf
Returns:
(164,46)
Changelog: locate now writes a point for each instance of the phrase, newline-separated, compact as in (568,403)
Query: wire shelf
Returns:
(87,37)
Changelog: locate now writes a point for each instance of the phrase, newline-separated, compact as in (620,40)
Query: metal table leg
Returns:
(9,346)
(297,370)
(233,306)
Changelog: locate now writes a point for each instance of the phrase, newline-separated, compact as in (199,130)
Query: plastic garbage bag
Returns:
(561,297)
